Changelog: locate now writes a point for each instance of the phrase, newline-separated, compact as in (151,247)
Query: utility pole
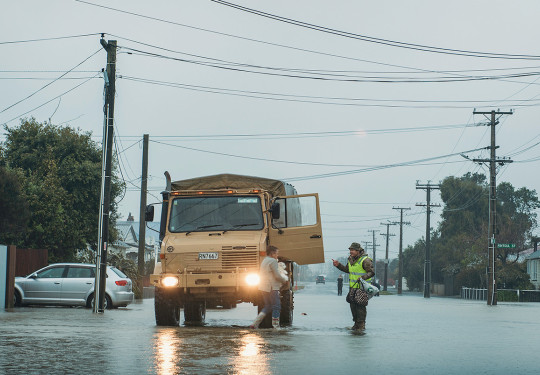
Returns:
(400,268)
(427,264)
(387,234)
(374,250)
(492,228)
(106,175)
(366,245)
(142,222)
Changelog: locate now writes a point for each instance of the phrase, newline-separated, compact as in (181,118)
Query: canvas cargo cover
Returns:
(234,181)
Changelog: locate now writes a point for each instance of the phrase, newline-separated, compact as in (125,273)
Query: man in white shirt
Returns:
(271,282)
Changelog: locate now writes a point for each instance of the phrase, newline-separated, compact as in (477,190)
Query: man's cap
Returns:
(356,246)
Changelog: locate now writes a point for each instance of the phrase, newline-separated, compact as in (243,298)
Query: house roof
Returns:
(129,231)
(535,255)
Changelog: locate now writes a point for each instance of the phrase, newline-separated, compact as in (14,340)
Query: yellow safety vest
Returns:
(357,270)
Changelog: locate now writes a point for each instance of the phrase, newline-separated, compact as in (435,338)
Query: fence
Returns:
(503,295)
(30,260)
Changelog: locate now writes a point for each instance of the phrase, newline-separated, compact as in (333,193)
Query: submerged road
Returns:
(405,335)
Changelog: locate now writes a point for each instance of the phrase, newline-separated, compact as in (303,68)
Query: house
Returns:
(533,268)
(127,244)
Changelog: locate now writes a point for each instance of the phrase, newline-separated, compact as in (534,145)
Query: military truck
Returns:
(214,232)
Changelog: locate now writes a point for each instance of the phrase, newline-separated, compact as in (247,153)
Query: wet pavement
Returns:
(405,335)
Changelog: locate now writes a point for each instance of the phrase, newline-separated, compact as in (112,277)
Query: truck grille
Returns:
(239,256)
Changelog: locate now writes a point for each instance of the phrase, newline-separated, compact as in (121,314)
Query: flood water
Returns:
(405,334)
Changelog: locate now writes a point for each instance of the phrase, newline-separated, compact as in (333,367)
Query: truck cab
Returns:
(214,234)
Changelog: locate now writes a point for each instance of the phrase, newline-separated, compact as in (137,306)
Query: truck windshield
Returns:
(221,213)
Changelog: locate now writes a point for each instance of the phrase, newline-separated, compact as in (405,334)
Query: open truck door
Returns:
(296,228)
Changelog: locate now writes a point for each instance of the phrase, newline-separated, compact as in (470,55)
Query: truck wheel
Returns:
(166,309)
(267,321)
(287,307)
(194,313)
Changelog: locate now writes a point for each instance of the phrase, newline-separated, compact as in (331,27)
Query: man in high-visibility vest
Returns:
(359,265)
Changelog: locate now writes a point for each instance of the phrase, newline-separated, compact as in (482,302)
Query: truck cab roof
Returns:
(234,181)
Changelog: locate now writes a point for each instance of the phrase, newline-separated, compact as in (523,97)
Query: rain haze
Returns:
(354,100)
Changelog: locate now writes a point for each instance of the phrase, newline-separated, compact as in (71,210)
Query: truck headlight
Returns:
(253,279)
(169,281)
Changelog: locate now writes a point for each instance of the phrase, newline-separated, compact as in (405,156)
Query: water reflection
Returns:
(167,356)
(252,357)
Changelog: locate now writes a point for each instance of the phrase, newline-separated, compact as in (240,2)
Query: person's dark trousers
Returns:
(359,314)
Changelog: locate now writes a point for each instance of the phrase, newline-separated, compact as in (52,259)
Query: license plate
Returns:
(204,256)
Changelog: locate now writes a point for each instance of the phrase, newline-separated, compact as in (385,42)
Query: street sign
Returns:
(506,245)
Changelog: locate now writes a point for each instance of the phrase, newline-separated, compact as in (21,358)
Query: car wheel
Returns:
(107,303)
(17,299)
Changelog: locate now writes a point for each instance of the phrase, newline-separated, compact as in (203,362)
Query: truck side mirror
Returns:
(275,211)
(149,213)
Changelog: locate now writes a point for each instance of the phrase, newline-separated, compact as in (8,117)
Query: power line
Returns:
(360,102)
(325,134)
(393,43)
(272,71)
(40,78)
(56,97)
(335,174)
(408,68)
(50,83)
(368,168)
(49,39)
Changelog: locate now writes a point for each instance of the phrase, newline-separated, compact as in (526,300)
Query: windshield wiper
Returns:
(209,226)
(204,227)
(239,226)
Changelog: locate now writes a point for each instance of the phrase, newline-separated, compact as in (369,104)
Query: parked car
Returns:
(72,284)
(320,280)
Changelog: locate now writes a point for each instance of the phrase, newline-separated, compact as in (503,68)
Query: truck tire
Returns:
(287,307)
(194,312)
(166,308)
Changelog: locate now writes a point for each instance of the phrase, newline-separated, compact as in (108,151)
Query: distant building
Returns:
(127,244)
(533,268)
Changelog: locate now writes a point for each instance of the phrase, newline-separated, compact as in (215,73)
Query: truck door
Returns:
(298,231)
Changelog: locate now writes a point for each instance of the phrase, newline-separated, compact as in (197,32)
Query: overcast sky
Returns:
(347,87)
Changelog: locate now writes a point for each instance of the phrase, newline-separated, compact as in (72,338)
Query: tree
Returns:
(459,246)
(13,206)
(413,265)
(515,219)
(59,169)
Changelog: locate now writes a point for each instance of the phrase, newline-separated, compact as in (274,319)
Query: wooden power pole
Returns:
(400,267)
(106,176)
(373,231)
(142,222)
(492,228)
(427,262)
(387,234)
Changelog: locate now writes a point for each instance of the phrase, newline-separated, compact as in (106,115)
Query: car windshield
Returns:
(221,213)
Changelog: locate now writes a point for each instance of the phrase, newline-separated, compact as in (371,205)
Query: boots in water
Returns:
(362,326)
(356,326)
(275,322)
(258,320)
